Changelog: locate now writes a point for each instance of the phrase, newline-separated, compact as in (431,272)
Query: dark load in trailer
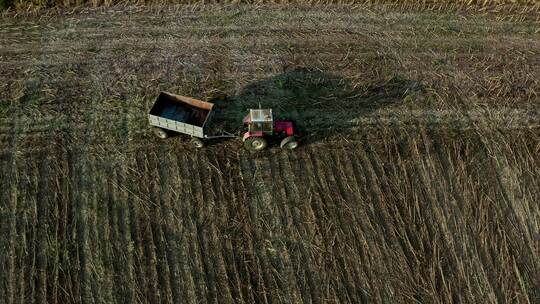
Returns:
(179,114)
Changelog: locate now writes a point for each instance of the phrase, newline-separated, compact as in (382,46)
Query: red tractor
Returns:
(180,114)
(261,125)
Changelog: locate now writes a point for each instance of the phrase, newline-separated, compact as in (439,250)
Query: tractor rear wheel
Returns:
(196,143)
(159,132)
(255,143)
(289,143)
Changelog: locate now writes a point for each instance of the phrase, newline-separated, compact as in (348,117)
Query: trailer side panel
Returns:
(176,126)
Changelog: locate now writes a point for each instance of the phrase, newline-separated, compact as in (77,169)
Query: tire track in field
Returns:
(335,202)
(356,203)
(27,225)
(256,198)
(338,180)
(132,285)
(448,170)
(204,227)
(191,287)
(519,215)
(110,134)
(83,178)
(530,158)
(492,198)
(375,251)
(80,178)
(241,244)
(211,175)
(384,191)
(214,265)
(111,191)
(189,253)
(29,192)
(194,196)
(270,223)
(459,182)
(147,260)
(214,175)
(389,202)
(333,234)
(44,203)
(276,223)
(8,227)
(171,224)
(323,227)
(421,249)
(16,261)
(406,209)
(302,217)
(56,222)
(258,260)
(83,175)
(487,225)
(444,241)
(428,214)
(229,227)
(93,237)
(158,193)
(432,170)
(288,237)
(102,225)
(66,221)
(511,185)
(121,234)
(381,219)
(461,213)
(12,195)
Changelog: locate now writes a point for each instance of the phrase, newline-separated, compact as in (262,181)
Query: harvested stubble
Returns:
(418,180)
(484,6)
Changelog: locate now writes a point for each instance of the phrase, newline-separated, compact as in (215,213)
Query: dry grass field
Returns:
(418,178)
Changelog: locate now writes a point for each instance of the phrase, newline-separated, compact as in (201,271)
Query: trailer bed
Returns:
(180,114)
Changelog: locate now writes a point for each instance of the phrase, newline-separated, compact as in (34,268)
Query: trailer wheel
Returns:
(255,143)
(289,143)
(196,143)
(159,132)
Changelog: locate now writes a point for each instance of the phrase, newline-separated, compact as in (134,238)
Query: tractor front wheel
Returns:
(255,143)
(159,132)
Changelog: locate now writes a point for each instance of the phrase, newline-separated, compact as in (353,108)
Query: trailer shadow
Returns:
(321,104)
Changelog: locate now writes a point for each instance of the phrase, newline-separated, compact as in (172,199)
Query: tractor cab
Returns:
(259,122)
(261,125)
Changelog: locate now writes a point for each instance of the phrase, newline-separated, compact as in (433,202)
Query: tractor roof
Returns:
(260,115)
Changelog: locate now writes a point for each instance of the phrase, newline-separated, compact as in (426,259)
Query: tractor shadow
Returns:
(320,104)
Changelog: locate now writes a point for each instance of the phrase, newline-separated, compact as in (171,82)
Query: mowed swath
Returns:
(211,226)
